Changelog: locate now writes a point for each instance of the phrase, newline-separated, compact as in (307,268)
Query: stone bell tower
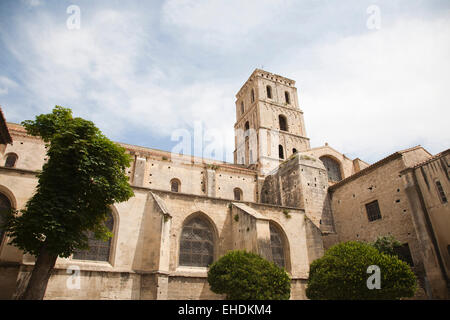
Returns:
(269,124)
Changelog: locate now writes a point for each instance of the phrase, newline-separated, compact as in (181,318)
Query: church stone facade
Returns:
(280,198)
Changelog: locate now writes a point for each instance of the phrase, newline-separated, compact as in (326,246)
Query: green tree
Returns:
(386,244)
(84,175)
(242,275)
(341,274)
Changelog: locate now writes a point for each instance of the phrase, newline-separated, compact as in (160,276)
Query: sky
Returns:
(373,77)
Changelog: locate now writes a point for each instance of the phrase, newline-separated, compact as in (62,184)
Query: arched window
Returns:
(197,243)
(283,122)
(242,107)
(247,126)
(280,152)
(5,206)
(175,185)
(237,194)
(294,151)
(99,250)
(269,92)
(287,97)
(11,160)
(276,244)
(333,168)
(253,95)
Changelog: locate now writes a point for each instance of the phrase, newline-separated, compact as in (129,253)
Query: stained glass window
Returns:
(276,243)
(5,206)
(99,250)
(197,243)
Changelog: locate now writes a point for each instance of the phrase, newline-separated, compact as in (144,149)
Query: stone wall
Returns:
(438,210)
(347,165)
(154,169)
(430,211)
(301,182)
(144,253)
(384,183)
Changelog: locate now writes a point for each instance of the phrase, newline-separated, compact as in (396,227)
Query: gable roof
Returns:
(327,146)
(377,164)
(5,137)
(435,157)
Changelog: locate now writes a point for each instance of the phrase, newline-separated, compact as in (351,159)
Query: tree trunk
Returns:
(40,275)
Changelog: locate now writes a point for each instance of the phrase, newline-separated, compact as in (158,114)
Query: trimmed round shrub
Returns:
(242,275)
(341,274)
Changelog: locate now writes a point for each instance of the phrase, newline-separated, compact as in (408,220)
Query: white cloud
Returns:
(95,71)
(6,84)
(222,25)
(367,95)
(32,3)
(380,91)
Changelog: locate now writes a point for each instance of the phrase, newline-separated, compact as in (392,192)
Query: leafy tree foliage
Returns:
(242,275)
(386,244)
(83,176)
(341,274)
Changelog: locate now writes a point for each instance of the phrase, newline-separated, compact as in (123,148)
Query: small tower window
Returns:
(175,185)
(269,92)
(11,160)
(280,152)
(283,122)
(237,194)
(287,97)
(246,128)
(294,151)
(253,95)
(242,107)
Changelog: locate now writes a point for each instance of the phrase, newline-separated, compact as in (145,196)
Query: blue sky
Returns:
(142,70)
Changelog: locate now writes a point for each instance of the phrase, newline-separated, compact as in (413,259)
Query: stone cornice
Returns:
(254,104)
(18,171)
(204,197)
(158,155)
(18,130)
(258,73)
(382,162)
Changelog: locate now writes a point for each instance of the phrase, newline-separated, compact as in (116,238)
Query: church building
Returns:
(280,198)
